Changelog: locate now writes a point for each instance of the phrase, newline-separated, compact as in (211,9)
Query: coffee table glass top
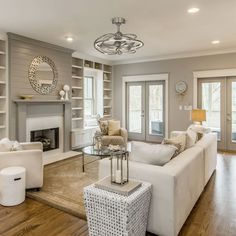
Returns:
(103,152)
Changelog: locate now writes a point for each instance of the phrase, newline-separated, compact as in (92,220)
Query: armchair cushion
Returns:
(103,124)
(113,127)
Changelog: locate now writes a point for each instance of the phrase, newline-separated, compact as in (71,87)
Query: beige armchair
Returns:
(31,158)
(120,140)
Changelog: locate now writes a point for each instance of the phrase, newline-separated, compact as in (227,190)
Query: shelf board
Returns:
(78,98)
(2,53)
(75,66)
(106,89)
(77,118)
(2,82)
(107,107)
(107,98)
(2,67)
(107,72)
(2,97)
(2,126)
(108,115)
(77,77)
(107,81)
(77,108)
(75,87)
(2,112)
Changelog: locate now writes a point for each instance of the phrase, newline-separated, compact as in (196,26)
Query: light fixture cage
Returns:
(117,43)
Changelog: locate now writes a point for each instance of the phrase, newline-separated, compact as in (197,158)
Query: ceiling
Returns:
(164,26)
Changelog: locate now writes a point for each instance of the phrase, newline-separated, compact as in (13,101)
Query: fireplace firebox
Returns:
(48,137)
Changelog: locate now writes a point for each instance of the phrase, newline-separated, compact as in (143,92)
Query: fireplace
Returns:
(48,137)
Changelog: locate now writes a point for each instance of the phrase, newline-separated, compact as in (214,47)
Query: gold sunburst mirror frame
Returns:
(43,75)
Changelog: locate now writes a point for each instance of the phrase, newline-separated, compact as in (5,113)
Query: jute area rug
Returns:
(64,182)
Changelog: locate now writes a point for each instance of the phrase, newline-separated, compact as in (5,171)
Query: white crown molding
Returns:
(175,56)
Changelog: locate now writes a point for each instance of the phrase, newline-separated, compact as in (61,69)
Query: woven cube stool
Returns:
(111,214)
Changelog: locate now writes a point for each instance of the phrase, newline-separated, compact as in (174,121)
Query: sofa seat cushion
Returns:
(114,140)
(154,154)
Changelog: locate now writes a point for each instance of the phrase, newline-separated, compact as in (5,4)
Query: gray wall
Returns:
(21,52)
(178,69)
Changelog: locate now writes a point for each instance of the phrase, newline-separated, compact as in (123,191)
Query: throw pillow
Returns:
(5,145)
(199,129)
(16,146)
(179,141)
(154,154)
(103,124)
(113,127)
(191,138)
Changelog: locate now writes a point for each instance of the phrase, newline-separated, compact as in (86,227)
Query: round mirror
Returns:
(43,75)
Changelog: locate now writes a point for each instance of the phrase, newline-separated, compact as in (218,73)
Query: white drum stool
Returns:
(12,186)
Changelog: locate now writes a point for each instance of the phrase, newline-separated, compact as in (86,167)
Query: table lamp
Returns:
(198,116)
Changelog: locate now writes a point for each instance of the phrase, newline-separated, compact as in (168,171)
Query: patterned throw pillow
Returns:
(179,142)
(103,126)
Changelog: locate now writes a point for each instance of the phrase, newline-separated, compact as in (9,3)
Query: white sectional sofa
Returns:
(176,186)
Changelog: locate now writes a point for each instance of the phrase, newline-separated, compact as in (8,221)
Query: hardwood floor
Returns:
(213,215)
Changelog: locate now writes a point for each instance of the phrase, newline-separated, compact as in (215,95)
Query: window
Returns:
(89,97)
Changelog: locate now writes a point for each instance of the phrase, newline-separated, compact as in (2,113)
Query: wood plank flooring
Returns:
(213,215)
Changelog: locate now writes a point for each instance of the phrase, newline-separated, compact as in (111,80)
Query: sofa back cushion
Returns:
(178,141)
(154,154)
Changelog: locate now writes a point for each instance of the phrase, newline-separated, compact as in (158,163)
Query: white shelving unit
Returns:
(77,93)
(81,136)
(3,91)
(107,91)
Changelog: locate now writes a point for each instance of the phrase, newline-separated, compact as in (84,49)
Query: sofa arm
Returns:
(32,145)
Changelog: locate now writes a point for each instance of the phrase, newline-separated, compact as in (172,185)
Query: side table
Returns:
(111,214)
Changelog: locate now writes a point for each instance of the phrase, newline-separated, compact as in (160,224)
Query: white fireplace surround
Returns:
(46,122)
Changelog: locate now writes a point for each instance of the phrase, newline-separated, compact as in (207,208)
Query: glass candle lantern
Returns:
(97,140)
(119,167)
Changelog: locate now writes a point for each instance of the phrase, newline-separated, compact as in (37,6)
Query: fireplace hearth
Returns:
(48,137)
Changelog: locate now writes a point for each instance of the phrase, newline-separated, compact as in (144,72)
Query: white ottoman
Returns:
(12,186)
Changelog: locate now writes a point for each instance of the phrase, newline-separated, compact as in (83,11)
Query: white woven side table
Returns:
(111,214)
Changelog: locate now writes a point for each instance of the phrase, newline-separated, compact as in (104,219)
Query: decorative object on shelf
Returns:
(181,87)
(62,94)
(97,140)
(26,96)
(119,167)
(117,43)
(66,88)
(43,75)
(198,116)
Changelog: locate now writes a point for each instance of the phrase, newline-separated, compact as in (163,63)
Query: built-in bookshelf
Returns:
(107,91)
(77,102)
(3,91)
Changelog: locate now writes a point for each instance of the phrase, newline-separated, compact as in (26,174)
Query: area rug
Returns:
(64,182)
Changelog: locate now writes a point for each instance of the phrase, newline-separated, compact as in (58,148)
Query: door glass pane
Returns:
(135,108)
(211,102)
(156,125)
(233,118)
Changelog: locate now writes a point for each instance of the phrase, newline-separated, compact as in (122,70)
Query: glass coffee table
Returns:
(91,151)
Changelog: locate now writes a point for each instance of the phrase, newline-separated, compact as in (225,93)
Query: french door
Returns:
(218,97)
(145,110)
